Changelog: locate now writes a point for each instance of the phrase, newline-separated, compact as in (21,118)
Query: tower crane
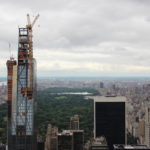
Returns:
(29,26)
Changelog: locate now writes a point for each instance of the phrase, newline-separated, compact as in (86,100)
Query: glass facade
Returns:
(110,121)
(22,132)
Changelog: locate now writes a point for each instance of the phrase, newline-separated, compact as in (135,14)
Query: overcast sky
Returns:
(81,37)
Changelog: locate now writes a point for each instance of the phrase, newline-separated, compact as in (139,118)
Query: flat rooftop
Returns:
(69,132)
(131,147)
(108,98)
(99,141)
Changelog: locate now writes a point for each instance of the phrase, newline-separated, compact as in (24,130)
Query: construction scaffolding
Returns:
(22,130)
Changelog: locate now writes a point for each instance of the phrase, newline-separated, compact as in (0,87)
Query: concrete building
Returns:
(110,119)
(147,125)
(142,131)
(51,138)
(2,147)
(78,139)
(135,129)
(65,140)
(71,140)
(11,92)
(74,122)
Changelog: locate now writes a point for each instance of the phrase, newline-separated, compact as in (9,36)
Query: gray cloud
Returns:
(98,33)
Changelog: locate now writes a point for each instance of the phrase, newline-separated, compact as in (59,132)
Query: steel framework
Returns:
(22,94)
(23,131)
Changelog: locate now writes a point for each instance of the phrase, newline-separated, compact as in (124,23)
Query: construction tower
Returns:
(22,94)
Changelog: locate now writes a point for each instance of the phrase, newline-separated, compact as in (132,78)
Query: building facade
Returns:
(51,138)
(78,139)
(22,95)
(74,122)
(147,126)
(65,140)
(110,119)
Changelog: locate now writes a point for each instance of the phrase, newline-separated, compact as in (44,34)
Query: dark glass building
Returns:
(109,119)
(70,140)
(78,139)
(65,140)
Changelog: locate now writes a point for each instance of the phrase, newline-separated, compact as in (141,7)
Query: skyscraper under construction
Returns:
(21,93)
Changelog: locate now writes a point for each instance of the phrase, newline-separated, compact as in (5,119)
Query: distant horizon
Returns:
(94,77)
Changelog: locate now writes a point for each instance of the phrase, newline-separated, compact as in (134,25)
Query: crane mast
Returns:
(30,27)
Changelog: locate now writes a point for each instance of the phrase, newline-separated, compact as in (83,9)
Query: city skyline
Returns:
(82,38)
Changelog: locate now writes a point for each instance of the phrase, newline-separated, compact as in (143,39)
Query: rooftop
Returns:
(131,147)
(100,141)
(108,98)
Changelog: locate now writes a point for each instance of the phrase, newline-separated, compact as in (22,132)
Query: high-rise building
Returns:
(74,122)
(21,94)
(11,93)
(71,140)
(40,145)
(101,85)
(147,125)
(135,129)
(142,131)
(51,138)
(78,139)
(2,147)
(11,82)
(65,140)
(109,119)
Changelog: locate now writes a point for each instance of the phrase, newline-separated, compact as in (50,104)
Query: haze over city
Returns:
(81,38)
